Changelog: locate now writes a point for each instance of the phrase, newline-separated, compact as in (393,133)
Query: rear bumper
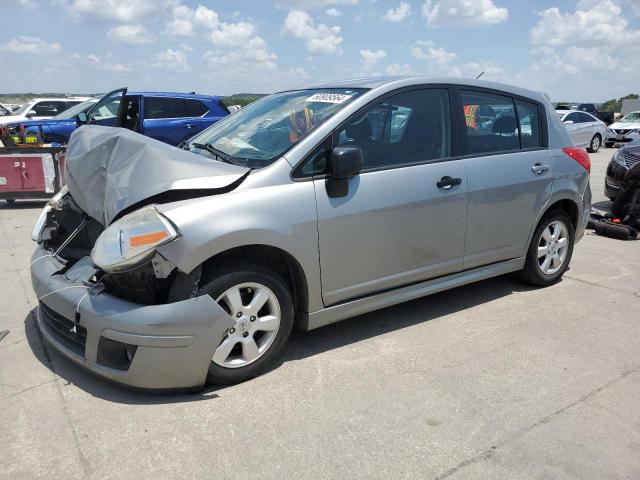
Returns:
(157,347)
(584,213)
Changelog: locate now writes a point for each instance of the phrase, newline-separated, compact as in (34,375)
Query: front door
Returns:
(510,176)
(403,219)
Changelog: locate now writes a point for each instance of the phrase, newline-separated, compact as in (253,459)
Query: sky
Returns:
(574,50)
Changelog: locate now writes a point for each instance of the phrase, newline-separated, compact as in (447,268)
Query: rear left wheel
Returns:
(550,250)
(261,305)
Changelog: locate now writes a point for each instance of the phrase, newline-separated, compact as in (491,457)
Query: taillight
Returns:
(581,156)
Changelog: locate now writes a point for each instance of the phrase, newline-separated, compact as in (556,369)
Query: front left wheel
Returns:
(260,303)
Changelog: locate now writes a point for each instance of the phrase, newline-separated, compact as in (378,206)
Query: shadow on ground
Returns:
(22,204)
(301,344)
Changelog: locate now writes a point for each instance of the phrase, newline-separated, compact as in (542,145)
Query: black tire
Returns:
(595,143)
(237,274)
(532,272)
(609,144)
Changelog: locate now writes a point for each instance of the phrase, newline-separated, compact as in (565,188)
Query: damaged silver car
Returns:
(166,268)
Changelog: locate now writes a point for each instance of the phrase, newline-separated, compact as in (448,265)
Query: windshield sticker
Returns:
(328,98)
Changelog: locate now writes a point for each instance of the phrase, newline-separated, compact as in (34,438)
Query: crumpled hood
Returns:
(111,169)
(37,123)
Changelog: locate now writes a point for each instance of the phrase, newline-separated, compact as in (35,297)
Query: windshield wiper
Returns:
(219,154)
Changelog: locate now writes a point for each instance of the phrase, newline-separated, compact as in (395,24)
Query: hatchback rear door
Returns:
(510,173)
(403,219)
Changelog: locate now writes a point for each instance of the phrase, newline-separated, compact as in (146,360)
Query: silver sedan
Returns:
(585,130)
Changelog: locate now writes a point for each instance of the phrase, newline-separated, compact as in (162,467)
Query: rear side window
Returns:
(491,122)
(165,107)
(51,108)
(406,128)
(529,124)
(195,107)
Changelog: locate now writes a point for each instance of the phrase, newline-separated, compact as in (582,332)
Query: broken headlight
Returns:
(131,239)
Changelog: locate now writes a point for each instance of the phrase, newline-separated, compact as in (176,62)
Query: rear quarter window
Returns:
(196,108)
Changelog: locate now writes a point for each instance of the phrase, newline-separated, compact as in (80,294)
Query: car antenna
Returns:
(479,75)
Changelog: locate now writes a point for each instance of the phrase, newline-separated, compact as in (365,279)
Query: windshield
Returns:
(23,108)
(260,133)
(4,111)
(632,117)
(75,110)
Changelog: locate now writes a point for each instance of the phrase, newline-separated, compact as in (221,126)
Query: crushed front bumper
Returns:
(146,346)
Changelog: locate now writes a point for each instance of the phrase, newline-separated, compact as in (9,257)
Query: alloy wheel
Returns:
(256,310)
(553,247)
(595,143)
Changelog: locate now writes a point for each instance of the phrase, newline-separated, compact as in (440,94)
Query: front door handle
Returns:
(190,125)
(539,168)
(447,182)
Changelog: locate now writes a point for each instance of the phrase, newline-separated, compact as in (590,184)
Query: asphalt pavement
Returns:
(491,380)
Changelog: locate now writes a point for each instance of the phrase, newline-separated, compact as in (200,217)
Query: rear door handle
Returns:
(539,168)
(447,182)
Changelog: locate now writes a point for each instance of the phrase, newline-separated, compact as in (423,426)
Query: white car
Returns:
(5,110)
(625,130)
(41,108)
(585,130)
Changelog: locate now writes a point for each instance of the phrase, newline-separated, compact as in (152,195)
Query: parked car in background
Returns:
(166,116)
(5,110)
(625,130)
(315,205)
(41,108)
(625,158)
(587,107)
(585,130)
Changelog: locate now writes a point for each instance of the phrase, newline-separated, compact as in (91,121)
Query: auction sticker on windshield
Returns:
(328,98)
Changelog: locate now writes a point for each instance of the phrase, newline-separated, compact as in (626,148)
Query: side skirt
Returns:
(359,306)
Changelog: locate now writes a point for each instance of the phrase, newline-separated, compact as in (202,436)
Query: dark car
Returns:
(622,161)
(166,116)
(587,107)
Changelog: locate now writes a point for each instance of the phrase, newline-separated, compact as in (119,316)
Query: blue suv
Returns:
(166,116)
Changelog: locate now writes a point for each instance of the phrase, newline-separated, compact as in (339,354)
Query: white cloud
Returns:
(106,65)
(132,34)
(318,38)
(235,40)
(172,60)
(432,54)
(466,12)
(369,57)
(125,11)
(593,23)
(398,69)
(591,52)
(333,12)
(399,13)
(31,46)
(185,21)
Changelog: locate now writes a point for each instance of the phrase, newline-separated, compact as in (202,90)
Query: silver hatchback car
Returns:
(159,268)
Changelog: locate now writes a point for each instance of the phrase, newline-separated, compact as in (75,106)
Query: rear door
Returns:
(168,119)
(399,223)
(510,174)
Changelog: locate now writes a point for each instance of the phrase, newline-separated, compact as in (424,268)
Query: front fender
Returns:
(282,216)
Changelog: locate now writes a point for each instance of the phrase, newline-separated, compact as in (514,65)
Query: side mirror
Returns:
(345,162)
(82,117)
(32,113)
(568,122)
